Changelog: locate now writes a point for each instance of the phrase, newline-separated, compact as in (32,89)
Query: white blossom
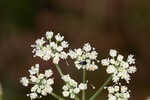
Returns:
(58,37)
(33,95)
(120,57)
(24,81)
(118,67)
(118,92)
(72,88)
(48,73)
(87,47)
(105,62)
(49,35)
(85,58)
(34,70)
(49,48)
(111,69)
(130,59)
(65,93)
(64,44)
(82,86)
(113,53)
(41,83)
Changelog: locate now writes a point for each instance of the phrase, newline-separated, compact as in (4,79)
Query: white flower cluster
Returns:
(118,93)
(41,83)
(71,88)
(51,47)
(85,58)
(118,67)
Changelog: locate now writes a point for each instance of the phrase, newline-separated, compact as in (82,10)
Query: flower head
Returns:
(118,67)
(118,92)
(41,83)
(51,47)
(85,58)
(72,88)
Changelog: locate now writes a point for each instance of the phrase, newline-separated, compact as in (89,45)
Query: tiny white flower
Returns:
(65,93)
(56,60)
(112,61)
(124,89)
(64,55)
(76,90)
(110,69)
(105,62)
(33,78)
(112,97)
(48,73)
(82,86)
(87,47)
(64,44)
(113,53)
(126,95)
(130,59)
(50,81)
(116,88)
(132,69)
(59,48)
(120,57)
(111,89)
(66,87)
(49,34)
(33,96)
(40,42)
(24,81)
(34,88)
(34,70)
(58,37)
(79,51)
(72,96)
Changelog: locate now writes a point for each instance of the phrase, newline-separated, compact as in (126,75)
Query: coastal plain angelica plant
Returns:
(54,47)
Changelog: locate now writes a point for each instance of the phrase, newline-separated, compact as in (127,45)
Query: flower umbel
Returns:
(51,47)
(85,58)
(41,83)
(118,92)
(118,67)
(71,88)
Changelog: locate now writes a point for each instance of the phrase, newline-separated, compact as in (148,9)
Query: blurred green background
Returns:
(120,24)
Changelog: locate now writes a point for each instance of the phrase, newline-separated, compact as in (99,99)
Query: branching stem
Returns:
(101,88)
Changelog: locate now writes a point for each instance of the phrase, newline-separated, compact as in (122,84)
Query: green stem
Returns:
(83,92)
(59,70)
(77,98)
(56,96)
(1,93)
(101,88)
(1,97)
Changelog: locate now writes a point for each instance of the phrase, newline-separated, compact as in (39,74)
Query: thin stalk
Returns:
(1,93)
(77,98)
(61,74)
(59,70)
(56,96)
(101,88)
(83,92)
(1,98)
